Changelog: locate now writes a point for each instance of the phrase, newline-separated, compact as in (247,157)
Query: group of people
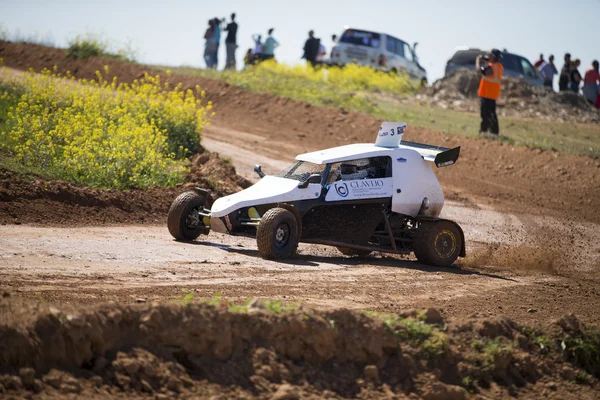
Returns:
(570,78)
(491,71)
(212,38)
(261,51)
(313,51)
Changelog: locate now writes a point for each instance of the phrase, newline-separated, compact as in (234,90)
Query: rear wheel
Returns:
(183,219)
(437,243)
(277,234)
(347,251)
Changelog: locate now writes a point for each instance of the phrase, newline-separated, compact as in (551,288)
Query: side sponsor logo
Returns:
(342,189)
(401,129)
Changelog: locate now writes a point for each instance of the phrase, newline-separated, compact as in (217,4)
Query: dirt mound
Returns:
(33,199)
(459,91)
(173,350)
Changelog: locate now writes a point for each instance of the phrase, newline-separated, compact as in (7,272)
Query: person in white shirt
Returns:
(547,71)
(258,47)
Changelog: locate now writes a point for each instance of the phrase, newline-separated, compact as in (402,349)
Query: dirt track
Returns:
(516,264)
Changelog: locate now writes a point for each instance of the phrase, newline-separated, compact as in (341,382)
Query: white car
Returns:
(379,51)
(360,198)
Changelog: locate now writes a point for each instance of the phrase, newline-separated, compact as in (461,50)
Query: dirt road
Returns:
(530,268)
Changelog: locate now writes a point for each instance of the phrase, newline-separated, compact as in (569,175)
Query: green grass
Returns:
(84,46)
(429,339)
(566,137)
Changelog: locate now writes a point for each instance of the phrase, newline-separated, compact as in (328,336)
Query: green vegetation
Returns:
(84,46)
(99,133)
(429,338)
(584,350)
(380,95)
(491,350)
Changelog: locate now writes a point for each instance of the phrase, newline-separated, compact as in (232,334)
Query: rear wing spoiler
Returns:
(440,156)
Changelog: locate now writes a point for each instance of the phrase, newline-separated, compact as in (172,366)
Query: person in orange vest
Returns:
(489,90)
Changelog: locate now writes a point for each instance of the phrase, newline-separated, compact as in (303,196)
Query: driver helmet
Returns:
(357,170)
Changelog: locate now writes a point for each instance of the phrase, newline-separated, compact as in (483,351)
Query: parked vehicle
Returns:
(514,65)
(377,50)
(359,198)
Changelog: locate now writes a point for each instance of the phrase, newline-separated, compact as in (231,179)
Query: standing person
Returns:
(565,74)
(489,91)
(311,48)
(231,43)
(539,62)
(321,54)
(269,46)
(575,76)
(591,80)
(547,72)
(258,48)
(217,24)
(209,44)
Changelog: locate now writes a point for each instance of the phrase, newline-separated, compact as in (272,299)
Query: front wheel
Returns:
(437,243)
(277,234)
(184,220)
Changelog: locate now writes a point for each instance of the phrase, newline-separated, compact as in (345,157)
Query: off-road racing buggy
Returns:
(359,197)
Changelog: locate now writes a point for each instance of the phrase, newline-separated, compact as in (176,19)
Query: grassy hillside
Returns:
(383,96)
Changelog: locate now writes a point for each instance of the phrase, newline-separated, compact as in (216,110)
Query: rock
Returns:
(371,372)
(568,373)
(27,376)
(62,381)
(440,391)
(433,316)
(140,300)
(286,392)
(256,305)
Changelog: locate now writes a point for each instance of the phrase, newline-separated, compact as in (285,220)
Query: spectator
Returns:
(539,62)
(258,48)
(321,54)
(231,43)
(591,81)
(547,72)
(565,74)
(311,48)
(489,91)
(217,40)
(209,45)
(248,58)
(575,77)
(269,46)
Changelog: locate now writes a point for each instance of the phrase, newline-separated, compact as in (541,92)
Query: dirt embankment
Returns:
(505,177)
(34,199)
(204,350)
(458,91)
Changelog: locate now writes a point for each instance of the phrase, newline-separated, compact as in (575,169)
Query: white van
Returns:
(377,50)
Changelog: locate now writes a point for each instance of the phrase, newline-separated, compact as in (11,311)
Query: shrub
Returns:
(101,133)
(85,46)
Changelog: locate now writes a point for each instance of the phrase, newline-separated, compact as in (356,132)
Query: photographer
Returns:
(489,90)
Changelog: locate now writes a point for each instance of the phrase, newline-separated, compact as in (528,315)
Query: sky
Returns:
(171,33)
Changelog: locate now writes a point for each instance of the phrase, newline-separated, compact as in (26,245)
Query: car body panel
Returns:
(270,189)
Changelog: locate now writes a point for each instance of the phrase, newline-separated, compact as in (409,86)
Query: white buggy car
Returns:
(360,198)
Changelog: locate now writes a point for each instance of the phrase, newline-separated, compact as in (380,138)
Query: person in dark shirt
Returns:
(575,76)
(565,74)
(231,42)
(311,48)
